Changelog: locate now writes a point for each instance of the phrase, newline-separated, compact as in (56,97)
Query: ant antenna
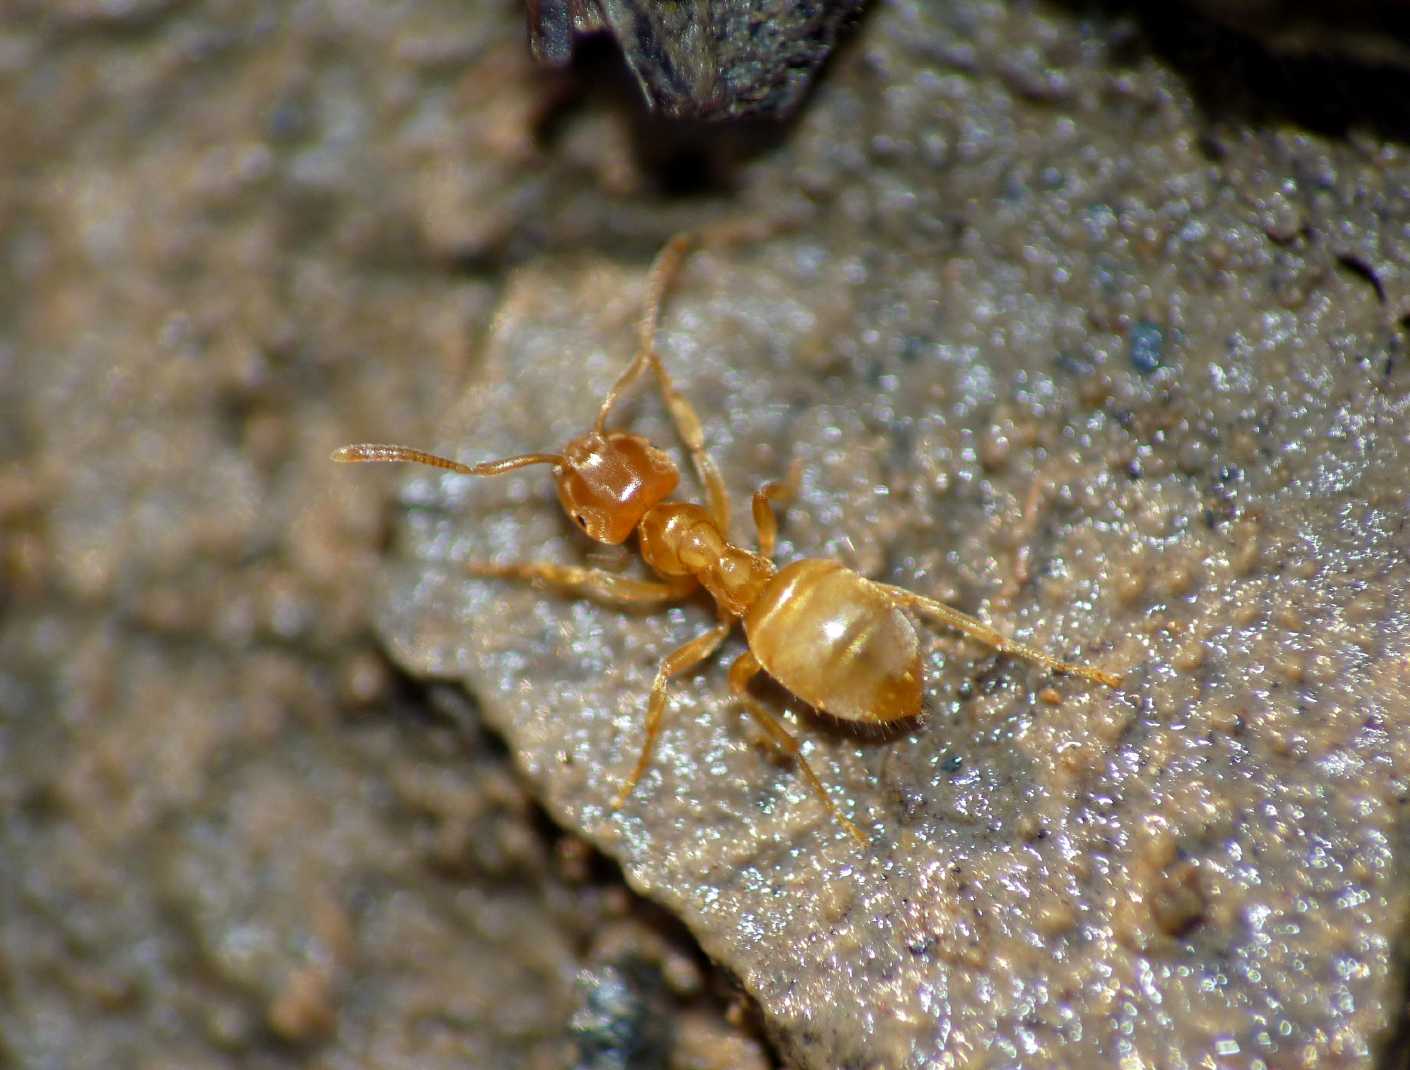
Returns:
(376,451)
(663,272)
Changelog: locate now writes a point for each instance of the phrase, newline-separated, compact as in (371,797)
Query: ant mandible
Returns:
(837,640)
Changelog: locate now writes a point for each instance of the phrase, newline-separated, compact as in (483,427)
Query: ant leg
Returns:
(979,630)
(688,427)
(676,662)
(740,673)
(764,518)
(594,583)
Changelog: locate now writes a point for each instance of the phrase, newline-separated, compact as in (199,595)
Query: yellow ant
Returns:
(835,639)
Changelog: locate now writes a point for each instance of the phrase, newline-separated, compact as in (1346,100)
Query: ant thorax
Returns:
(681,539)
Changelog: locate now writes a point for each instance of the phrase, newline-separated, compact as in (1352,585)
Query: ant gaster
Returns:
(835,639)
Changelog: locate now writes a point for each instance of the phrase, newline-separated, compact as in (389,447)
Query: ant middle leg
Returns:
(740,673)
(977,629)
(590,582)
(680,660)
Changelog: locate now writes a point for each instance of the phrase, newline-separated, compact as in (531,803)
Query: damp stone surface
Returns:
(1088,321)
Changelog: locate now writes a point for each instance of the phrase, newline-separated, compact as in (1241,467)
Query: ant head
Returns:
(607,482)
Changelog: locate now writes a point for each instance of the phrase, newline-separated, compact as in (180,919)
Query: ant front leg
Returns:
(680,660)
(688,427)
(740,673)
(977,629)
(590,582)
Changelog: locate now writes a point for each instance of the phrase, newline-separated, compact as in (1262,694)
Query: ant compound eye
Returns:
(582,520)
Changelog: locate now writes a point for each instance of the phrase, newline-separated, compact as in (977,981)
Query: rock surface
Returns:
(1104,346)
(1042,356)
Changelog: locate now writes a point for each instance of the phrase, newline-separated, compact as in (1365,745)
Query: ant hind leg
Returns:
(740,673)
(977,629)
